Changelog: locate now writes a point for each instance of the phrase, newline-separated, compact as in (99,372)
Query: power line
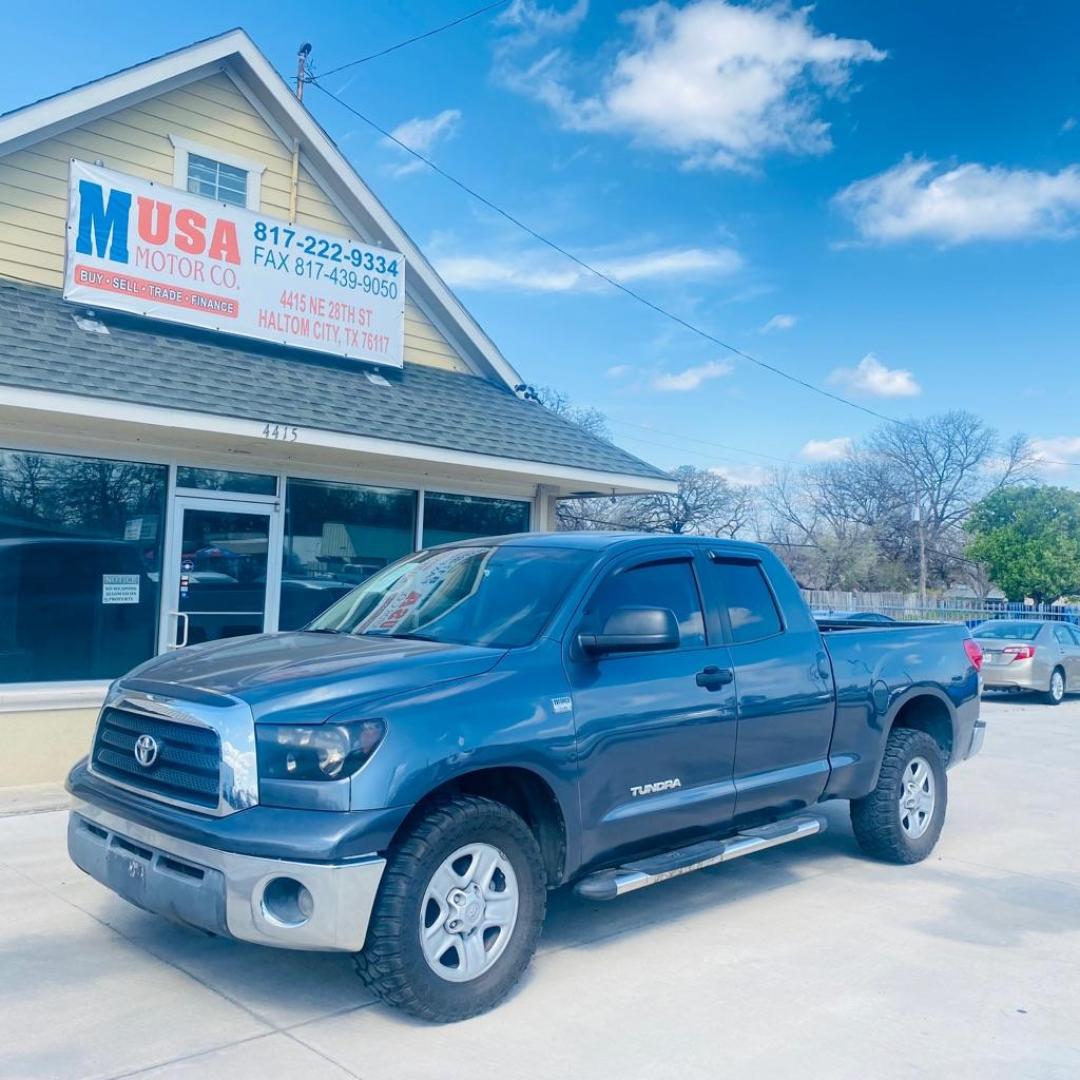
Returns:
(410,41)
(614,282)
(685,450)
(702,442)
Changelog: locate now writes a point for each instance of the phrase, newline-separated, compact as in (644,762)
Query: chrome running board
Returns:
(639,874)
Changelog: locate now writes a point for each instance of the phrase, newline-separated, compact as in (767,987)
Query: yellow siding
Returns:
(135,140)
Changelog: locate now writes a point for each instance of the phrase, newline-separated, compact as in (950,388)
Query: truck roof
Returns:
(598,541)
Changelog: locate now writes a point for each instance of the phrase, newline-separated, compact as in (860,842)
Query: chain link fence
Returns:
(907,607)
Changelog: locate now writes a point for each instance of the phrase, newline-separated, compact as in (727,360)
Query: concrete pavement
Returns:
(806,960)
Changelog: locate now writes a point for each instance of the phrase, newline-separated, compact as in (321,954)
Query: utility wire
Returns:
(410,41)
(702,442)
(614,282)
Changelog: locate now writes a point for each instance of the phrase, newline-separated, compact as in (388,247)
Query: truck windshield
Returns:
(1022,630)
(498,596)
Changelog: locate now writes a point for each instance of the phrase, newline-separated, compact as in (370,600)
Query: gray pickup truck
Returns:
(406,778)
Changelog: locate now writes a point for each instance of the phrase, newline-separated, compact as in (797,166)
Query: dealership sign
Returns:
(152,250)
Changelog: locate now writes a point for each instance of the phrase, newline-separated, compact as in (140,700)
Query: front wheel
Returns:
(901,819)
(458,913)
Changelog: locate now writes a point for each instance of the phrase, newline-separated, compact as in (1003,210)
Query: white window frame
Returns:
(89,694)
(183,147)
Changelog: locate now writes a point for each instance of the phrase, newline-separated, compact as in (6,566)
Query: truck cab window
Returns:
(657,585)
(739,586)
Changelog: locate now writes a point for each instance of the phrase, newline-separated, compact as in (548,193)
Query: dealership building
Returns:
(231,387)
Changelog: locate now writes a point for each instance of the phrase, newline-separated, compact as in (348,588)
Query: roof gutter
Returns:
(247,436)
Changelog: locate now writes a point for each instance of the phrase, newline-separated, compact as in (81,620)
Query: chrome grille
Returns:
(188,762)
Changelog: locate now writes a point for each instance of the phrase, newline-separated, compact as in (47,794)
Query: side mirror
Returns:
(633,629)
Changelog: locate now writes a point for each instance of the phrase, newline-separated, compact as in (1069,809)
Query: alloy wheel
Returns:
(916,801)
(469,911)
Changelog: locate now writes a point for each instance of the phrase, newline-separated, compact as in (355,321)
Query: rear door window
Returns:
(657,585)
(739,588)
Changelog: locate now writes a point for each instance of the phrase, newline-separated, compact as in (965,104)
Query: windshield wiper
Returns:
(326,630)
(400,637)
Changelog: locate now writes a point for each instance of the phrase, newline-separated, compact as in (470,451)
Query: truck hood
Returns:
(304,678)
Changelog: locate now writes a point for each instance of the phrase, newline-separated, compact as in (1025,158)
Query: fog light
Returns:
(287,902)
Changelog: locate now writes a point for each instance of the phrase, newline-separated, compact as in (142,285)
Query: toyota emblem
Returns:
(146,750)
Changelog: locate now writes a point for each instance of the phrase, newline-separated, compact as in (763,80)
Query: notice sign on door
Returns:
(153,250)
(119,588)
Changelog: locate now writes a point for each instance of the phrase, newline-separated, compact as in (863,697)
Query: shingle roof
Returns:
(147,363)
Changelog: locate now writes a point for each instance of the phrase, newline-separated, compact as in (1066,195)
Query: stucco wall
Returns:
(40,747)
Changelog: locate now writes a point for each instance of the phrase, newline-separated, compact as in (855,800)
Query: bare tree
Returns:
(891,511)
(587,418)
(941,466)
(704,504)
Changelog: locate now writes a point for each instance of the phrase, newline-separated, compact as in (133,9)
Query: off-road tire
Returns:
(392,964)
(875,818)
(1048,696)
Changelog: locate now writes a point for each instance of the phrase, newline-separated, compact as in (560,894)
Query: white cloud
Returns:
(422,134)
(923,199)
(743,475)
(483,272)
(719,83)
(827,449)
(617,371)
(674,263)
(527,271)
(530,20)
(871,376)
(1069,123)
(1051,452)
(692,378)
(778,323)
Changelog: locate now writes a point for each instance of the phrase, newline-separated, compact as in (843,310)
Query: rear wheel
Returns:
(901,819)
(1056,690)
(458,913)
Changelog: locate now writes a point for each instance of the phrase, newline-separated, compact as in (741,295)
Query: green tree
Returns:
(1029,539)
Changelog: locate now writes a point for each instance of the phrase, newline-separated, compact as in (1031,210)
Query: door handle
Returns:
(713,677)
(824,668)
(178,644)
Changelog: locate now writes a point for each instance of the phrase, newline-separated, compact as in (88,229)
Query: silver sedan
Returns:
(1030,654)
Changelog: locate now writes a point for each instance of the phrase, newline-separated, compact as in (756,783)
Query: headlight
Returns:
(316,752)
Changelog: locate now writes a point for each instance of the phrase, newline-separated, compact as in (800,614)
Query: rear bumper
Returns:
(246,897)
(1020,675)
(978,733)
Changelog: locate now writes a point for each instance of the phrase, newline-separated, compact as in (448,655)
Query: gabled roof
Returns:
(140,362)
(236,54)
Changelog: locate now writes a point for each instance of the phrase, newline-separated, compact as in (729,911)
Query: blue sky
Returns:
(883,199)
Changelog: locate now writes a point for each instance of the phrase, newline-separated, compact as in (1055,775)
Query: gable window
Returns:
(216,180)
(216,174)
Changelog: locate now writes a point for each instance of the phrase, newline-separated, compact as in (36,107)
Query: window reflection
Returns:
(80,565)
(464,517)
(336,536)
(187,476)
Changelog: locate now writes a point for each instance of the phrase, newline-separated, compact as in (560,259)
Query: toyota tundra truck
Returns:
(405,778)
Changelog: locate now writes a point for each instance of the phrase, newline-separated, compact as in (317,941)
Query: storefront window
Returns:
(225,480)
(80,565)
(336,536)
(462,517)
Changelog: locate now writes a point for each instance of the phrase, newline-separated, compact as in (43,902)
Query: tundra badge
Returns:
(652,789)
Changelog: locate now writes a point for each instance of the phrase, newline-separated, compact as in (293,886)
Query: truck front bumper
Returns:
(291,905)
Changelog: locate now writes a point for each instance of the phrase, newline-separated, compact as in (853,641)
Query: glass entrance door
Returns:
(219,570)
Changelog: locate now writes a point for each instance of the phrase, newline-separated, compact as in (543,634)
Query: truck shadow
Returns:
(287,988)
(574,922)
